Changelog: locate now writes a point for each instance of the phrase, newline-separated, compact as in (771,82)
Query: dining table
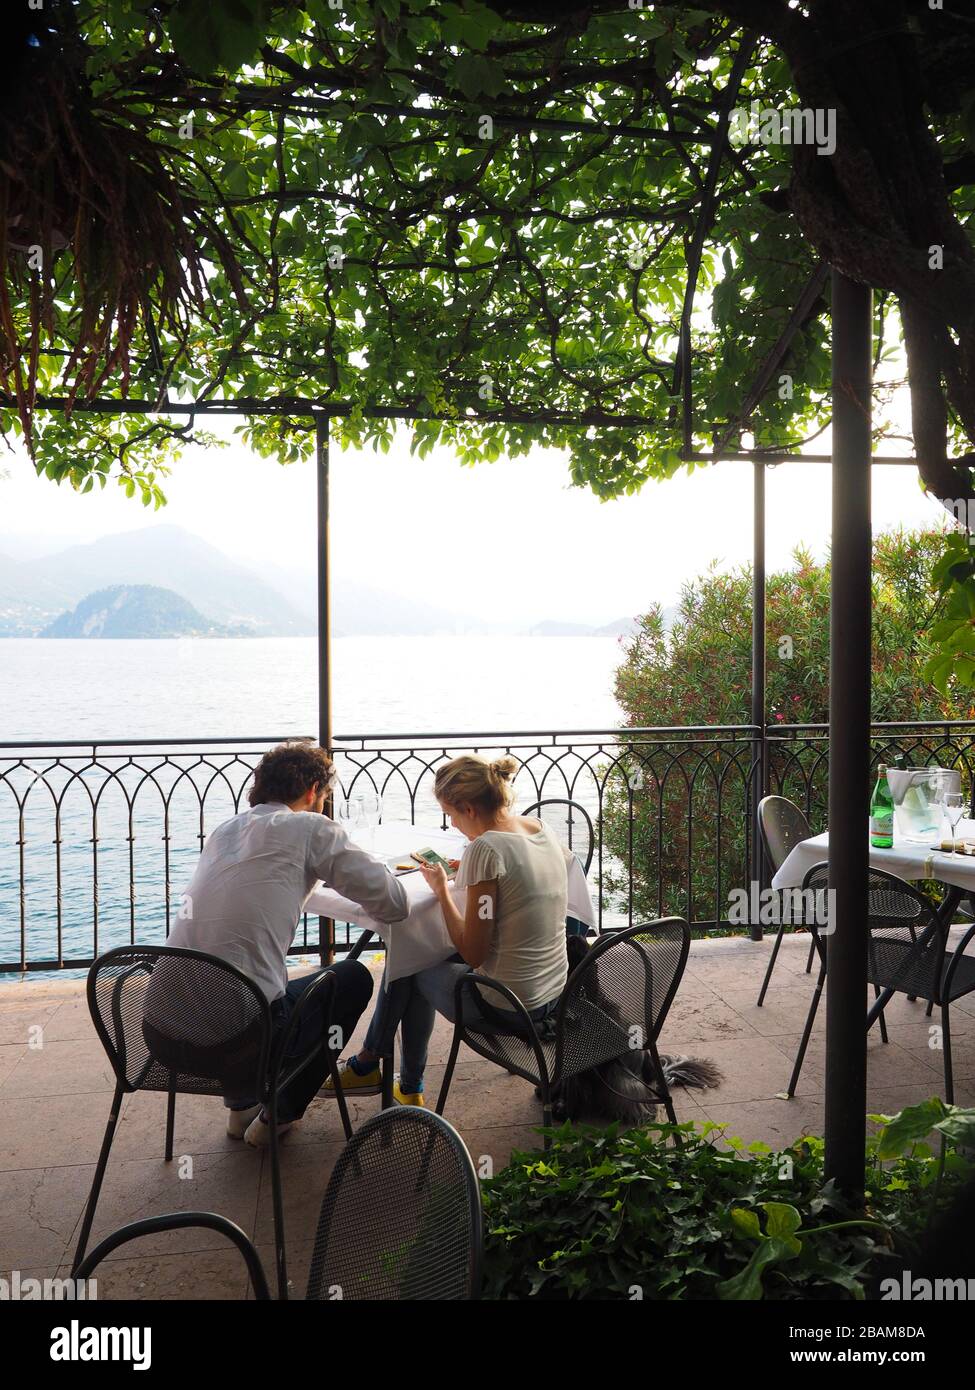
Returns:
(913,860)
(421,938)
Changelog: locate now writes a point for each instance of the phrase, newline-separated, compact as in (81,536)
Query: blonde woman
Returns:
(511,925)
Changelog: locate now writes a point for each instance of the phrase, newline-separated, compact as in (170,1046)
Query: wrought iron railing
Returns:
(97,840)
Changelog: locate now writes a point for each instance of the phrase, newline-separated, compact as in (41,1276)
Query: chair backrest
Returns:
(783,825)
(174,1221)
(902,953)
(571,822)
(401,1217)
(174,1019)
(629,977)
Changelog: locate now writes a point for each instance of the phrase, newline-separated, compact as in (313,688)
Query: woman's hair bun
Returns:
(505,768)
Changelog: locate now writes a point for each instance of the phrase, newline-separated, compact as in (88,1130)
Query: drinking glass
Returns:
(954,804)
(348,811)
(372,809)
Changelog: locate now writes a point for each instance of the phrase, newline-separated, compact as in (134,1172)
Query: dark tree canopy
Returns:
(473,214)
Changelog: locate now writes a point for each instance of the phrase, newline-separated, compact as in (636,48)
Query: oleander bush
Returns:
(675,816)
(689,1212)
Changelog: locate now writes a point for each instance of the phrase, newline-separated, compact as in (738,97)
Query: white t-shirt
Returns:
(527,951)
(256,870)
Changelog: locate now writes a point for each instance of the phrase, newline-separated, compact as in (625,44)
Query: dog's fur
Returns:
(626,1088)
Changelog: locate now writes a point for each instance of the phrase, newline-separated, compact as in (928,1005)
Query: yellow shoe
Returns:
(401,1097)
(354,1084)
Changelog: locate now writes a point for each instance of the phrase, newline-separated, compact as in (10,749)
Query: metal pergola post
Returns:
(849,734)
(326,927)
(758,676)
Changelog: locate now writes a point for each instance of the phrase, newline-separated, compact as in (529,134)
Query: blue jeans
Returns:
(412,1004)
(352,994)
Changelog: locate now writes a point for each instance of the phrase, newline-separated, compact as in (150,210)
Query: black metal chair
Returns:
(401,1217)
(906,954)
(174,1221)
(184,1022)
(572,823)
(617,998)
(783,825)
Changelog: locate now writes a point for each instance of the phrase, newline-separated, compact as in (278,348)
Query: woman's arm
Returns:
(471,931)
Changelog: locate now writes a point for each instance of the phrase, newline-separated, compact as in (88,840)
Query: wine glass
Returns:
(954,804)
(372,809)
(348,810)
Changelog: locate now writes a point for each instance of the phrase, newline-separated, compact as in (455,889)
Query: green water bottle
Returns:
(882,813)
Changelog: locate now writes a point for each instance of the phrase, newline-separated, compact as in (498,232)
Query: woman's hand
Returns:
(436,877)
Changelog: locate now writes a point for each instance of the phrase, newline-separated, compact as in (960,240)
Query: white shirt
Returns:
(253,877)
(527,951)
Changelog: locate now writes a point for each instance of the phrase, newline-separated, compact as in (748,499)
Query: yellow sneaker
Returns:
(401,1097)
(354,1084)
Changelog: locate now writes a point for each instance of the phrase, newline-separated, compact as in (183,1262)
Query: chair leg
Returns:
(771,964)
(883,1021)
(810,1020)
(277,1202)
(170,1120)
(946,1044)
(546,1111)
(96,1185)
(812,956)
(448,1074)
(339,1093)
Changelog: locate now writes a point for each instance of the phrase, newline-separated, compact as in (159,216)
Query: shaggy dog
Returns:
(624,1088)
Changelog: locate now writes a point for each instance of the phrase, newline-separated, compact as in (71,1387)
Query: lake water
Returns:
(76,689)
(125,881)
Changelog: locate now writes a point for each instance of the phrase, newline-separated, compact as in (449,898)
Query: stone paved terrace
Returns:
(54,1102)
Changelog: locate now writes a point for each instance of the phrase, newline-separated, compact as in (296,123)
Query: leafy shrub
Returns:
(675,818)
(683,1212)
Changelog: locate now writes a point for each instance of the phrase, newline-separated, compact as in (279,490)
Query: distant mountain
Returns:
(35,591)
(267,599)
(361,611)
(136,610)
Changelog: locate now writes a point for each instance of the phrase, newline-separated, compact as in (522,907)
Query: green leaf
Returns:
(913,1123)
(219,34)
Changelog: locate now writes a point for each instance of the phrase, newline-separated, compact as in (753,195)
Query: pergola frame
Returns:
(851,597)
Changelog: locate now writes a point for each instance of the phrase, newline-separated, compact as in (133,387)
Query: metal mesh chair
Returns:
(572,823)
(783,825)
(401,1217)
(617,998)
(175,1221)
(906,954)
(183,1022)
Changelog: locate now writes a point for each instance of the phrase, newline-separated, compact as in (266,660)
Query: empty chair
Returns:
(616,998)
(401,1217)
(183,1022)
(573,825)
(176,1221)
(571,822)
(782,826)
(906,954)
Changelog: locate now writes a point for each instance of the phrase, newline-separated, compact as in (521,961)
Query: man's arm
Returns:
(355,874)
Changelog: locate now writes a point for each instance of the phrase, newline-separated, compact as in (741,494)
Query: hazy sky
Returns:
(504,541)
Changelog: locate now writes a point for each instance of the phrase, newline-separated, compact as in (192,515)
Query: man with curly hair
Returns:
(246,897)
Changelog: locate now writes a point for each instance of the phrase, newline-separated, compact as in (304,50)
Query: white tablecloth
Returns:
(906,859)
(421,939)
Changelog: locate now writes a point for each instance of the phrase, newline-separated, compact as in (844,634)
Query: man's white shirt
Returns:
(256,871)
